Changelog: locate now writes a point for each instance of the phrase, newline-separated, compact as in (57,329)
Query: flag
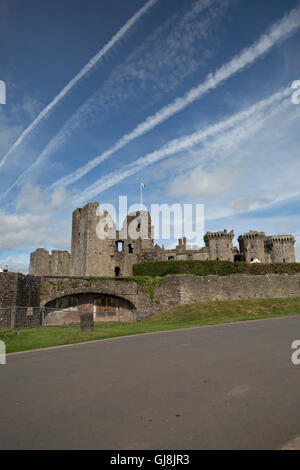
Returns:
(143,185)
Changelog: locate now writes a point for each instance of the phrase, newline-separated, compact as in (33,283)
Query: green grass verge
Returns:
(184,316)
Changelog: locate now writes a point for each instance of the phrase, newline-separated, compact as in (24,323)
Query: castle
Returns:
(98,249)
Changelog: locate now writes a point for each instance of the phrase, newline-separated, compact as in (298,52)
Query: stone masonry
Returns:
(98,249)
(172,290)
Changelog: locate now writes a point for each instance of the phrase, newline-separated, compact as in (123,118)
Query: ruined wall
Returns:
(39,262)
(60,263)
(184,252)
(42,263)
(136,238)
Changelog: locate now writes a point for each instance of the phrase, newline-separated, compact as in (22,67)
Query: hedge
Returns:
(204,268)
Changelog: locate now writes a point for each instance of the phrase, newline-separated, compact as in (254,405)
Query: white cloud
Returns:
(208,184)
(244,204)
(37,221)
(15,263)
(31,105)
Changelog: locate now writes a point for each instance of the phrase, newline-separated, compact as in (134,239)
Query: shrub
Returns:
(204,268)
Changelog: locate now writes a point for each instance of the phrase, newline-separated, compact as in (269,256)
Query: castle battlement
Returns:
(114,254)
(280,239)
(252,235)
(219,235)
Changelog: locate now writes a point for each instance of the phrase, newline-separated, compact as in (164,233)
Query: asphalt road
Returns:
(220,387)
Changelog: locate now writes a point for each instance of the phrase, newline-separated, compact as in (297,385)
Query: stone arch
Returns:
(55,288)
(96,292)
(105,306)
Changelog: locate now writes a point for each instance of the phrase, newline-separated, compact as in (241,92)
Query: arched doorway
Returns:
(67,309)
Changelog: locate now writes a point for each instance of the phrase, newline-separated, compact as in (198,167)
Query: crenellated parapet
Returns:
(252,235)
(252,246)
(219,245)
(219,235)
(280,248)
(280,239)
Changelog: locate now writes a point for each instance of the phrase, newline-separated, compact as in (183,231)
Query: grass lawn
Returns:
(184,316)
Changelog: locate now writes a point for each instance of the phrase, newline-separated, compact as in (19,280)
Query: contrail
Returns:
(64,133)
(276,33)
(176,146)
(119,35)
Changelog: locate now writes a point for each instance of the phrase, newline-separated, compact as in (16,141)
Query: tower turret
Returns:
(280,248)
(252,246)
(219,245)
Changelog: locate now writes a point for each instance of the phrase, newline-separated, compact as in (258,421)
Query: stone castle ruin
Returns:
(98,249)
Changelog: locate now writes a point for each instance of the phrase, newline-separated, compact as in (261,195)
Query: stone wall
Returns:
(238,286)
(60,263)
(19,289)
(9,283)
(172,290)
(39,262)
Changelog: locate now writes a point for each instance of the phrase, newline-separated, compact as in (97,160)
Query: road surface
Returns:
(229,386)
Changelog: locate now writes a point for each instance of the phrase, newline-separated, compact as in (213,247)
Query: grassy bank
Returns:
(185,316)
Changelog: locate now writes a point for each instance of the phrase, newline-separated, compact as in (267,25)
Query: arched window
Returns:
(117,271)
(130,248)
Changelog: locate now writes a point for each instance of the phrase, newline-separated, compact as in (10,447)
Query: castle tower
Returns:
(134,241)
(93,242)
(219,245)
(40,262)
(252,246)
(280,248)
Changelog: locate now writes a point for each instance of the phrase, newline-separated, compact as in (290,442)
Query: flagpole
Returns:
(141,190)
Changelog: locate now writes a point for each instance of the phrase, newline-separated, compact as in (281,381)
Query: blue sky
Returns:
(192,97)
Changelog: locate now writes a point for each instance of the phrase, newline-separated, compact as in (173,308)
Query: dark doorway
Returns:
(117,271)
